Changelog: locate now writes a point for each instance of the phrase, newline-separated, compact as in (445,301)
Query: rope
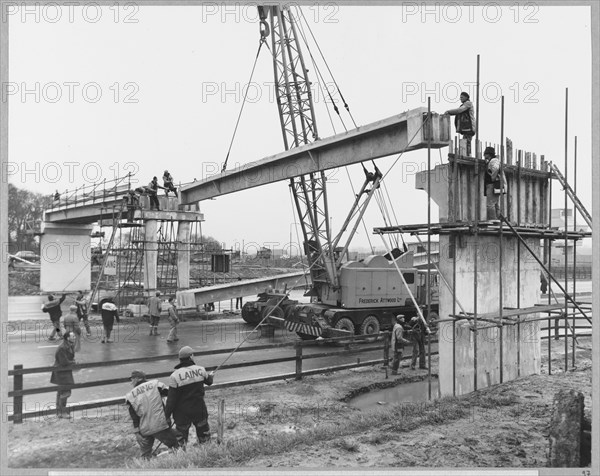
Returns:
(285,295)
(262,40)
(328,69)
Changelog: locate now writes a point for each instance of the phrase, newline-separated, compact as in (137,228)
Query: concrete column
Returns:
(488,340)
(65,257)
(183,254)
(150,254)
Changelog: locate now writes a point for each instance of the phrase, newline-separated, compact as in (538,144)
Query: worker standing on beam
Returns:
(465,119)
(153,193)
(168,184)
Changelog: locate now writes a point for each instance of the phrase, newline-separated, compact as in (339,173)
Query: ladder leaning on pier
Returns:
(586,216)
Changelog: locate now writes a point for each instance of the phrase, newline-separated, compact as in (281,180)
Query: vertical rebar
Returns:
(454,236)
(566,228)
(501,247)
(477,118)
(574,250)
(476,242)
(518,266)
(549,263)
(428,286)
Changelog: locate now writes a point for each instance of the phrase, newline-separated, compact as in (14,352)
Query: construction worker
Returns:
(543,283)
(52,307)
(238,300)
(494,183)
(152,190)
(173,321)
(109,314)
(168,184)
(418,331)
(186,397)
(71,323)
(465,119)
(398,342)
(133,203)
(82,312)
(154,308)
(64,358)
(147,412)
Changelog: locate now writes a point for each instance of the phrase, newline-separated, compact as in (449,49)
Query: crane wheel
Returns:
(249,314)
(346,324)
(370,325)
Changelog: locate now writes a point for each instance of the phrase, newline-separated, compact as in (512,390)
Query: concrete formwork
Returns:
(454,189)
(493,353)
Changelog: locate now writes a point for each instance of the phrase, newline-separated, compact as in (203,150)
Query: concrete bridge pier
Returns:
(150,254)
(516,346)
(183,254)
(472,359)
(65,257)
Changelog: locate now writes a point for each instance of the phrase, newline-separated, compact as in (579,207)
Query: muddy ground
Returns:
(504,426)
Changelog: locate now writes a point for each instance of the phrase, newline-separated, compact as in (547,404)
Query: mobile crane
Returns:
(354,296)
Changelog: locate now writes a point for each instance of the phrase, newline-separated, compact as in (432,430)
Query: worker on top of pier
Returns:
(152,190)
(168,184)
(465,119)
(494,183)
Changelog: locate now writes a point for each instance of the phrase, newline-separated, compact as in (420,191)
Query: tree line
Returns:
(25,212)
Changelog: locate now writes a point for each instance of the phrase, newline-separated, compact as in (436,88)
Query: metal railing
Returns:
(93,193)
(378,342)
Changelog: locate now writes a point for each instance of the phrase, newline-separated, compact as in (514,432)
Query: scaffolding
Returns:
(516,220)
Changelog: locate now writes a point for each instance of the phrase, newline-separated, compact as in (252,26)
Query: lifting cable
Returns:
(262,40)
(328,69)
(335,108)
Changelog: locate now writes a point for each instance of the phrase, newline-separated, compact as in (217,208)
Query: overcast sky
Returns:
(95,93)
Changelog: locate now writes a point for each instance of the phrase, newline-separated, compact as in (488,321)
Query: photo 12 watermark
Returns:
(61,92)
(70,12)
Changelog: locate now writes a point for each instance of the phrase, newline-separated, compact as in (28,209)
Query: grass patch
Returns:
(399,417)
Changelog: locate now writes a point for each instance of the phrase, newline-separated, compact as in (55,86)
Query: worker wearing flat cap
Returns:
(147,412)
(185,400)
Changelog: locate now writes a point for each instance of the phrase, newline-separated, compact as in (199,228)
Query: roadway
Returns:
(28,345)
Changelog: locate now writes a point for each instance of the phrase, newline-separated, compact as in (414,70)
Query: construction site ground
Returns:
(310,424)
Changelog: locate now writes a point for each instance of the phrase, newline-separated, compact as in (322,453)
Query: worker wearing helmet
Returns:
(186,397)
(145,403)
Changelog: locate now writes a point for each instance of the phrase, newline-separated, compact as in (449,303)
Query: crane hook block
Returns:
(264,29)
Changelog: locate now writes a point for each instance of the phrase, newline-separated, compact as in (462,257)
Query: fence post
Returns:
(298,346)
(220,420)
(18,399)
(386,351)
